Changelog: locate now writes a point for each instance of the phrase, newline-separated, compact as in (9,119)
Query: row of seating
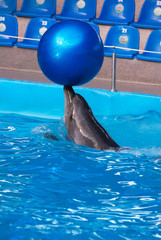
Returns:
(126,37)
(122,12)
(35,29)
(114,12)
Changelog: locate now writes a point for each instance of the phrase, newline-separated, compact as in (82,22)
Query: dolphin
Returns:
(81,124)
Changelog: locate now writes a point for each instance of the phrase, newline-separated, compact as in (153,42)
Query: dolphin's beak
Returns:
(68,93)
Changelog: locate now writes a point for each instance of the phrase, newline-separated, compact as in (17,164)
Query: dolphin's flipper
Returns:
(81,124)
(50,136)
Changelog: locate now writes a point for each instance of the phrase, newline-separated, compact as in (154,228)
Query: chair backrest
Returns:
(8,6)
(79,7)
(116,10)
(44,7)
(123,36)
(150,12)
(95,26)
(8,26)
(37,27)
(154,43)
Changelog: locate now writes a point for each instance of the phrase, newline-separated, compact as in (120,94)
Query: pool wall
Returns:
(47,100)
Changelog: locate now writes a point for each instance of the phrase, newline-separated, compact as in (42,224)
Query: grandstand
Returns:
(137,75)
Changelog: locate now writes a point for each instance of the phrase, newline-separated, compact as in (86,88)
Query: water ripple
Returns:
(58,190)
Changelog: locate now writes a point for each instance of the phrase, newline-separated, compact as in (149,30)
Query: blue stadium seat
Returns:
(8,6)
(35,29)
(153,44)
(78,9)
(37,8)
(150,15)
(8,27)
(116,12)
(95,26)
(122,36)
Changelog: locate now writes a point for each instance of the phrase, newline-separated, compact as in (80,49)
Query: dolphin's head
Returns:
(75,102)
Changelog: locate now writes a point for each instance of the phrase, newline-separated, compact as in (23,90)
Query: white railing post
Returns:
(113,82)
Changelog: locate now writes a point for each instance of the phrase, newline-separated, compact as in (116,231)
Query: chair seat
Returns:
(78,17)
(5,11)
(95,26)
(7,42)
(106,22)
(153,57)
(28,44)
(146,25)
(8,6)
(120,53)
(32,14)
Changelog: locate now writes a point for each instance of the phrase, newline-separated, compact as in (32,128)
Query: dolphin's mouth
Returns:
(69,93)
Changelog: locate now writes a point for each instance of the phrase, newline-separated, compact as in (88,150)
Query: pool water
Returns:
(58,190)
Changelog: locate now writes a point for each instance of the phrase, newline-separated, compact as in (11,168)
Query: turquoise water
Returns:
(57,190)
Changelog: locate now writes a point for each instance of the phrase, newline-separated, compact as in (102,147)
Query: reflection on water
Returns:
(58,190)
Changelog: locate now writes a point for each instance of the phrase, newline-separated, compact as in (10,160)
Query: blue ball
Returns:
(70,53)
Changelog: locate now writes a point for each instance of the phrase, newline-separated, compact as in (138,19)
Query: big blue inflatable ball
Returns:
(70,53)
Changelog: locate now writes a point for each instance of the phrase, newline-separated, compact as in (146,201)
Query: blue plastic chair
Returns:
(122,36)
(35,29)
(153,44)
(116,12)
(150,15)
(95,26)
(37,8)
(8,27)
(8,6)
(78,9)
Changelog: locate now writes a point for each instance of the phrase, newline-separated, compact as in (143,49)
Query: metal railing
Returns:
(113,80)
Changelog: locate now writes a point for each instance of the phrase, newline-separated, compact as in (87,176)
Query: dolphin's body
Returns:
(81,124)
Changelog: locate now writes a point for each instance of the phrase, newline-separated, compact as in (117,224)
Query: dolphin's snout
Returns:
(68,93)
